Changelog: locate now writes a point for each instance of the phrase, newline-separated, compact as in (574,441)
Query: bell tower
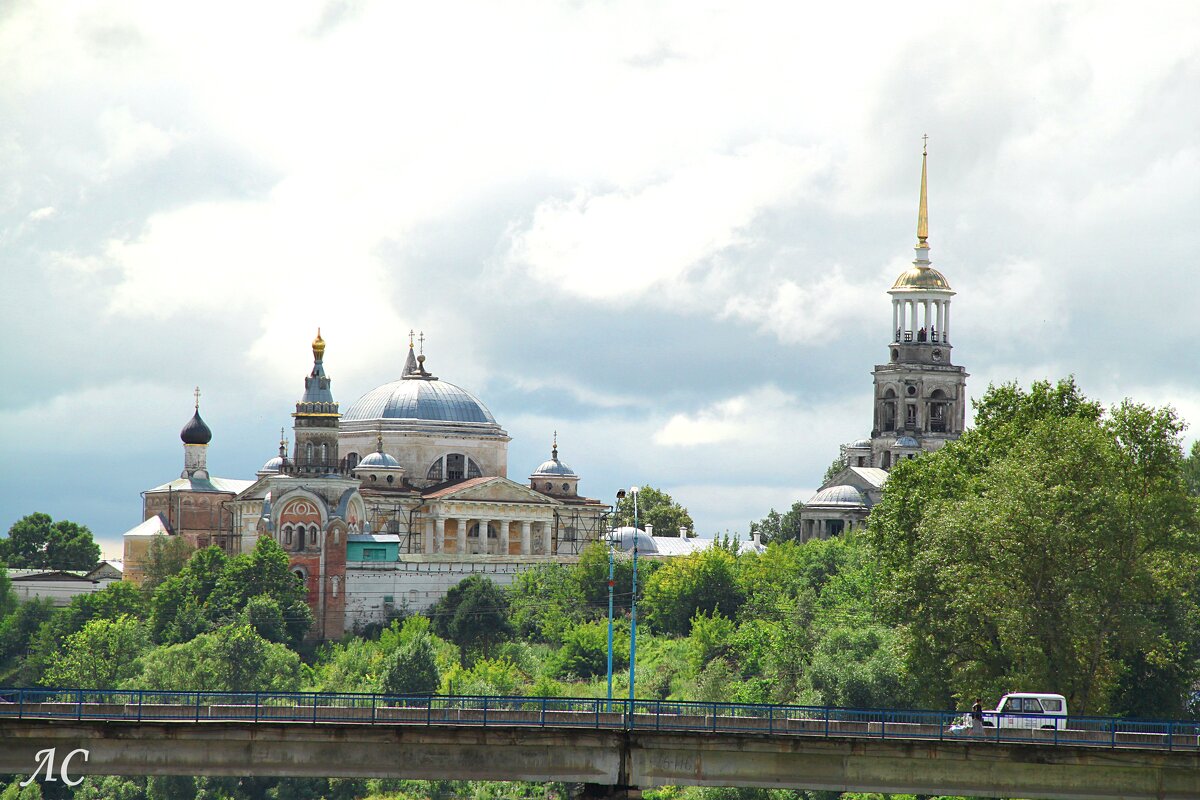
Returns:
(920,395)
(316,421)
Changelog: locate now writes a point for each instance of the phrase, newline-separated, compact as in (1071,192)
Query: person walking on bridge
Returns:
(977,716)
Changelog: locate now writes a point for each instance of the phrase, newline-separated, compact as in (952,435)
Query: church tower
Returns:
(920,395)
(316,421)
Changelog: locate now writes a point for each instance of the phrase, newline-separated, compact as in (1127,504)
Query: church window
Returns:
(549,487)
(887,459)
(391,478)
(287,535)
(351,460)
(455,468)
(435,471)
(312,535)
(324,455)
(308,453)
(566,486)
(473,470)
(910,415)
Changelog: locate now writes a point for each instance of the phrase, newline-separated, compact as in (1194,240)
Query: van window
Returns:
(1052,704)
(1032,706)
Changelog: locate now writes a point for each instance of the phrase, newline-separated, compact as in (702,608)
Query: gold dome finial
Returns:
(923,211)
(318,346)
(197,398)
(554,447)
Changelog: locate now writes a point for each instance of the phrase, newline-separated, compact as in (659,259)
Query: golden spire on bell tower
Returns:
(318,346)
(923,211)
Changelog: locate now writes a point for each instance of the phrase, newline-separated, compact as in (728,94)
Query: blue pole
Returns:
(633,603)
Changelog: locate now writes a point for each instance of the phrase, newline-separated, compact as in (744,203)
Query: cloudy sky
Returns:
(664,229)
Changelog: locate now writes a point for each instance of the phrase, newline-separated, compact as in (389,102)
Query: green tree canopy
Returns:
(229,659)
(411,668)
(776,527)
(473,615)
(165,557)
(655,507)
(702,583)
(100,655)
(1053,548)
(38,542)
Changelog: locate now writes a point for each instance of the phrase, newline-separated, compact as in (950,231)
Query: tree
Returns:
(542,602)
(230,659)
(473,615)
(264,571)
(834,468)
(100,655)
(584,653)
(38,542)
(411,668)
(165,557)
(702,583)
(1051,547)
(1191,470)
(656,508)
(776,527)
(116,599)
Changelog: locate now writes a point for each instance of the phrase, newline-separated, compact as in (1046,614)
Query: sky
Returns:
(664,230)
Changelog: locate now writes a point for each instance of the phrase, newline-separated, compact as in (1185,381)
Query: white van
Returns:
(1029,710)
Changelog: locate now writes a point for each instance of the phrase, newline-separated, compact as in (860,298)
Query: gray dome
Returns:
(556,468)
(907,441)
(862,444)
(624,539)
(842,495)
(423,399)
(378,461)
(274,465)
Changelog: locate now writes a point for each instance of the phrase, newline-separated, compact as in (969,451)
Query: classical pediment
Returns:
(491,490)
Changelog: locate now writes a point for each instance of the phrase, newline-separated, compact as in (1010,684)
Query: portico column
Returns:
(503,539)
(427,536)
(482,539)
(526,537)
(548,538)
(912,304)
(941,326)
(896,320)
(462,536)
(946,325)
(439,535)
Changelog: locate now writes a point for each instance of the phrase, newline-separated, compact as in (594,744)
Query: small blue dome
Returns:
(195,432)
(378,461)
(907,441)
(274,465)
(841,495)
(862,444)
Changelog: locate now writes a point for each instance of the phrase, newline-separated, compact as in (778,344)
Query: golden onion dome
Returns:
(922,278)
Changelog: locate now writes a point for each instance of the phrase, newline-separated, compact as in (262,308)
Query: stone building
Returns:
(384,507)
(920,395)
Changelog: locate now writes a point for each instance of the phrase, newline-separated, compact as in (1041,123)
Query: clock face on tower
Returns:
(937,355)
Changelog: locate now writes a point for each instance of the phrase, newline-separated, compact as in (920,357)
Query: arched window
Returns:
(473,470)
(308,453)
(351,460)
(887,459)
(456,467)
(887,411)
(435,472)
(287,534)
(312,536)
(324,454)
(937,411)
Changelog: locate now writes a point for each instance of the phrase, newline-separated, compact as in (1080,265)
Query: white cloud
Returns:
(46,212)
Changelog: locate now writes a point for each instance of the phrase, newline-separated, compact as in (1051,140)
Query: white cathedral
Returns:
(920,395)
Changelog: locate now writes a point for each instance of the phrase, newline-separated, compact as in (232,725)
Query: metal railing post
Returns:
(79,704)
(826,722)
(1170,736)
(771,720)
(373,698)
(21,709)
(485,711)
(314,719)
(256,704)
(141,697)
(197,706)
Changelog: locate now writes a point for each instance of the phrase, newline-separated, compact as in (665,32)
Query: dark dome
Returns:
(195,432)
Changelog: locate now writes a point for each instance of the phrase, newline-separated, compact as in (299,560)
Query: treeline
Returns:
(1052,548)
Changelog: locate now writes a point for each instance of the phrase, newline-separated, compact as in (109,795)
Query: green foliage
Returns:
(776,527)
(14,791)
(589,581)
(115,600)
(110,787)
(38,542)
(229,659)
(710,638)
(100,655)
(542,602)
(473,615)
(166,556)
(834,468)
(411,668)
(1039,551)
(18,629)
(584,653)
(704,583)
(859,667)
(654,507)
(498,676)
(214,590)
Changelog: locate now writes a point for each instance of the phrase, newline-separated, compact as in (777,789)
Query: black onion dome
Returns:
(195,432)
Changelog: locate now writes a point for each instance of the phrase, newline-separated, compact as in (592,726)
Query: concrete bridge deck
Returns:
(578,741)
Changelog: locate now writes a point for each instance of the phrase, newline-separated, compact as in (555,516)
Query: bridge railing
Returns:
(600,713)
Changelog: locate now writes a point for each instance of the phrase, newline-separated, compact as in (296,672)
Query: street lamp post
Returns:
(611,545)
(633,601)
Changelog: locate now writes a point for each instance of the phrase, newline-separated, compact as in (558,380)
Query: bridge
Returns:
(610,745)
